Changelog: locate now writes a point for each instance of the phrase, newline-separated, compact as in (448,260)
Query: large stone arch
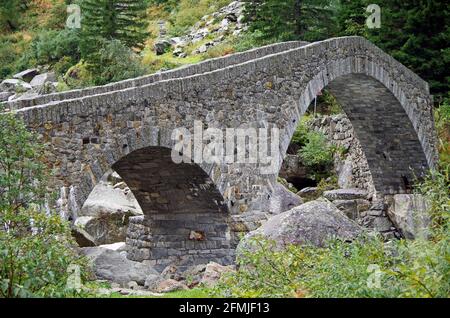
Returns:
(91,132)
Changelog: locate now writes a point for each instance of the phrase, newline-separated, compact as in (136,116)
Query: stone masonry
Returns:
(90,131)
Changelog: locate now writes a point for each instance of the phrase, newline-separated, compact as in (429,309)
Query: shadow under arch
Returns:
(387,136)
(186,219)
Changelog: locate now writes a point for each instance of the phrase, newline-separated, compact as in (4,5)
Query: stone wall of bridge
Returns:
(389,106)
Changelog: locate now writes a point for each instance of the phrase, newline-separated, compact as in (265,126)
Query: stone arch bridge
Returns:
(128,125)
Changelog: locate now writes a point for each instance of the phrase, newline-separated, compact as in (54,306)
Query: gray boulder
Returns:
(41,79)
(345,194)
(105,199)
(4,96)
(311,223)
(348,207)
(113,266)
(106,229)
(162,46)
(26,75)
(213,273)
(409,213)
(14,85)
(283,200)
(152,281)
(309,193)
(82,238)
(170,285)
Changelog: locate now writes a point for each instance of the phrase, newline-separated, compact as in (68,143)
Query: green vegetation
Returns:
(35,245)
(309,20)
(418,268)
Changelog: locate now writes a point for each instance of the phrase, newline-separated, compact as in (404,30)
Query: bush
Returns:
(113,62)
(317,155)
(35,243)
(300,137)
(53,47)
(365,268)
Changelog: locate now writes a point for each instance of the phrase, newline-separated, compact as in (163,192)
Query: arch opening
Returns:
(185,218)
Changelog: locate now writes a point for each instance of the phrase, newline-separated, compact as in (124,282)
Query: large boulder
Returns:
(4,96)
(409,213)
(283,200)
(170,285)
(105,214)
(113,266)
(41,79)
(26,75)
(106,199)
(82,238)
(14,85)
(107,228)
(313,223)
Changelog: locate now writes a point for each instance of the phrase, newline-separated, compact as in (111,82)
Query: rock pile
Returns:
(215,28)
(28,84)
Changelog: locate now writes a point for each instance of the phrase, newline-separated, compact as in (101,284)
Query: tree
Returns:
(309,20)
(416,33)
(9,14)
(122,20)
(35,251)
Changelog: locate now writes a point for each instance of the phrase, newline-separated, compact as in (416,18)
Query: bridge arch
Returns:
(90,132)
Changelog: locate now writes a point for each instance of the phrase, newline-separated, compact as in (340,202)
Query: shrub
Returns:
(35,244)
(300,137)
(317,155)
(113,62)
(367,267)
(53,47)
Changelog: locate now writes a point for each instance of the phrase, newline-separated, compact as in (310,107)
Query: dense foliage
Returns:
(35,243)
(414,32)
(309,20)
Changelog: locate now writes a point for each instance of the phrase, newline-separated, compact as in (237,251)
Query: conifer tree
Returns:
(122,20)
(291,19)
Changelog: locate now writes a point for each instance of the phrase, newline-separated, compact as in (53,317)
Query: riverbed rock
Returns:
(170,285)
(113,266)
(313,223)
(27,75)
(162,46)
(283,200)
(82,238)
(213,273)
(41,79)
(409,213)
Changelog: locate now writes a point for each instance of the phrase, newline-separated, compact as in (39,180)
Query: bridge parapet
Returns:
(199,68)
